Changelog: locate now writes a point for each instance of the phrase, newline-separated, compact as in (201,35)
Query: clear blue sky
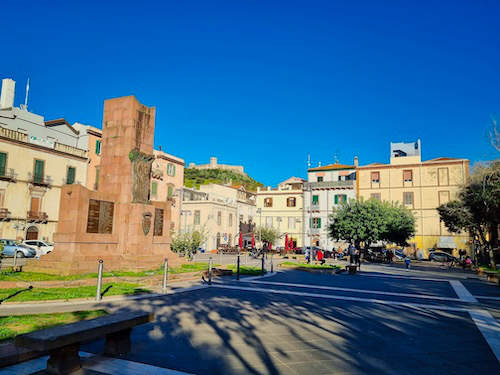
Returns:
(265,83)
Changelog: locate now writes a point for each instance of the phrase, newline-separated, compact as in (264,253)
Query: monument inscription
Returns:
(158,224)
(100,218)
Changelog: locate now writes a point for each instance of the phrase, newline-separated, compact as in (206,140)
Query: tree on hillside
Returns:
(477,209)
(495,135)
(371,221)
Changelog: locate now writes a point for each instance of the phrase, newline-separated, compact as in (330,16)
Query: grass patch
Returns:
(489,269)
(11,326)
(43,294)
(190,267)
(246,270)
(311,266)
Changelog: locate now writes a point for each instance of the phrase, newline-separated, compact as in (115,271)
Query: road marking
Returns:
(489,328)
(405,277)
(425,296)
(462,292)
(345,298)
(488,297)
(248,279)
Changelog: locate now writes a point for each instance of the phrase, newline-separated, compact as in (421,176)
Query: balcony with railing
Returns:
(4,214)
(330,184)
(70,150)
(7,174)
(40,180)
(37,217)
(13,134)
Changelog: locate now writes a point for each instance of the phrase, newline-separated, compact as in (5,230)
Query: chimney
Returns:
(356,163)
(7,95)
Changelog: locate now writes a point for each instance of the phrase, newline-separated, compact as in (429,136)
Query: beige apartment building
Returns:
(36,159)
(91,139)
(283,209)
(421,186)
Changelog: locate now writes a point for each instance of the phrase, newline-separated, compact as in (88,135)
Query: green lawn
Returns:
(11,326)
(311,266)
(246,270)
(42,294)
(489,269)
(36,276)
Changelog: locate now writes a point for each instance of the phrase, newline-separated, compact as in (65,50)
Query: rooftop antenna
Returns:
(335,158)
(309,161)
(27,93)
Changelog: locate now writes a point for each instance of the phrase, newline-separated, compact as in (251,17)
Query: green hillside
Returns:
(197,177)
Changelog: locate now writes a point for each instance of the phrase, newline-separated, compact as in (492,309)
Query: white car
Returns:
(41,247)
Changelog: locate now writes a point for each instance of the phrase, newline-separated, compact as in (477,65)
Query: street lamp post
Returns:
(259,211)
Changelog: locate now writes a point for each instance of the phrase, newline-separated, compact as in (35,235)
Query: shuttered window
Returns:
(375,177)
(98,147)
(408,198)
(340,198)
(39,169)
(70,177)
(3,163)
(154,188)
(315,222)
(315,199)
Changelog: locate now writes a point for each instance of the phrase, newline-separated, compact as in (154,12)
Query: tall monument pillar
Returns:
(117,223)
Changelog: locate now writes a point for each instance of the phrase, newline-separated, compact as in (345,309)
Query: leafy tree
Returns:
(269,235)
(195,177)
(188,242)
(370,221)
(477,209)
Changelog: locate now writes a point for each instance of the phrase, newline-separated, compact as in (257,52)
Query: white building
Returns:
(327,187)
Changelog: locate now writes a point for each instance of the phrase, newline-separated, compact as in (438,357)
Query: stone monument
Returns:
(117,223)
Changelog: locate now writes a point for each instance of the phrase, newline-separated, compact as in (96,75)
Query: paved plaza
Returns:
(381,321)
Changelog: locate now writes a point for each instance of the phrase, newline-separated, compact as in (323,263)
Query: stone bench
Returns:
(17,264)
(63,342)
(492,277)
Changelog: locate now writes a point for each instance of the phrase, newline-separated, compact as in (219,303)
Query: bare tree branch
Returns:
(495,135)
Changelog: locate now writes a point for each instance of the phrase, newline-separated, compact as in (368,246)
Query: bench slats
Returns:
(87,330)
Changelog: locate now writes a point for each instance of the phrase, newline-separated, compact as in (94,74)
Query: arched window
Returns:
(32,233)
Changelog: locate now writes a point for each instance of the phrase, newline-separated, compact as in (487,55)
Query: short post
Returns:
(99,281)
(210,271)
(220,257)
(263,260)
(238,267)
(15,259)
(272,268)
(165,276)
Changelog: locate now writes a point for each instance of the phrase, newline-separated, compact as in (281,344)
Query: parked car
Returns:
(375,254)
(441,256)
(10,247)
(41,247)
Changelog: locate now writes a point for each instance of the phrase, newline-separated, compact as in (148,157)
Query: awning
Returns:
(446,242)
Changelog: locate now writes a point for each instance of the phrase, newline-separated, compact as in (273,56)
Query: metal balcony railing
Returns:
(40,180)
(4,214)
(7,174)
(37,216)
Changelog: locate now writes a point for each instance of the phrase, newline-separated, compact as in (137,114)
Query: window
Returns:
(443,176)
(340,198)
(291,202)
(375,177)
(315,223)
(241,218)
(268,202)
(70,175)
(320,178)
(154,188)
(375,196)
(196,217)
(408,198)
(219,218)
(291,223)
(230,220)
(269,221)
(3,163)
(170,192)
(315,200)
(171,169)
(35,204)
(39,171)
(408,175)
(98,147)
(444,197)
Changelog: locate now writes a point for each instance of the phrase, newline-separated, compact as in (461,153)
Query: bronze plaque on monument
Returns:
(158,225)
(100,219)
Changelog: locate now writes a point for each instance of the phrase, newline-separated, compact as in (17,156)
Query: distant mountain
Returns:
(196,177)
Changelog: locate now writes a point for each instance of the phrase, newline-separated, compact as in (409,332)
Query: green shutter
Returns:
(336,199)
(170,192)
(315,199)
(3,163)
(70,178)
(319,222)
(98,147)
(173,174)
(153,188)
(310,223)
(344,198)
(39,170)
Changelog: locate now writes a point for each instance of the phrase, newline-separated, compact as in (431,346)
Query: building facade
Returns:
(421,186)
(327,187)
(37,158)
(282,209)
(91,140)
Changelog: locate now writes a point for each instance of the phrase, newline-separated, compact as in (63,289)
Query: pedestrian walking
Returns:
(351,252)
(320,256)
(407,263)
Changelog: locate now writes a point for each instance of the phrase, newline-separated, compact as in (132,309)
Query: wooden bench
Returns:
(352,268)
(16,263)
(63,342)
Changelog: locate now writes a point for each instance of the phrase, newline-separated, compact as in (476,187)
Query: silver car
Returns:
(10,247)
(41,247)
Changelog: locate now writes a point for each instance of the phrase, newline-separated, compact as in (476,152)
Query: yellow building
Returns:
(283,209)
(421,187)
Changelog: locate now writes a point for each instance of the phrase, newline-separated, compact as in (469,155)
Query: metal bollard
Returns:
(272,268)
(210,271)
(165,276)
(15,259)
(263,260)
(99,281)
(238,268)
